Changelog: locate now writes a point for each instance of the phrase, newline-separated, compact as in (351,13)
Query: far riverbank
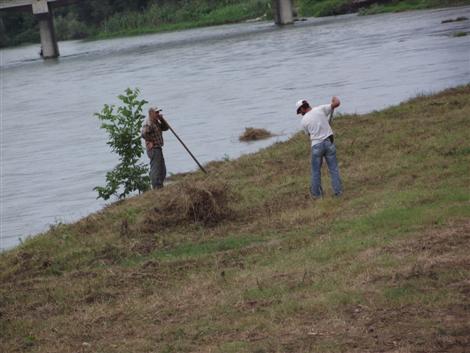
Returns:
(92,22)
(141,23)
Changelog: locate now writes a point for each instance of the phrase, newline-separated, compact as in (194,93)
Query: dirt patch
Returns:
(411,326)
(435,251)
(253,134)
(144,245)
(371,329)
(416,327)
(110,254)
(436,242)
(396,330)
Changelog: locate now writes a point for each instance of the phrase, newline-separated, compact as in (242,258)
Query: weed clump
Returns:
(252,134)
(206,202)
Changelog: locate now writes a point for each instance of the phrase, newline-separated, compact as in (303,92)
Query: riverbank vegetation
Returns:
(242,260)
(113,18)
(174,16)
(400,6)
(98,19)
(123,125)
(369,7)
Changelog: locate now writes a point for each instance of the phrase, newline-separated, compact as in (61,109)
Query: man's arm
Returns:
(163,124)
(335,103)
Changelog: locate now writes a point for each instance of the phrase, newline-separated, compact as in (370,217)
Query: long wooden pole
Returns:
(186,148)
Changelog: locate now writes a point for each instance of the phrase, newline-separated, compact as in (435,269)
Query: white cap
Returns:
(155,109)
(299,104)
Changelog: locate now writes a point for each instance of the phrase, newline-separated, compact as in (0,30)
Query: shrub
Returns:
(124,127)
(324,7)
(69,27)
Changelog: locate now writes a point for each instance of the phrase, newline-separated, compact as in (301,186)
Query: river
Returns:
(211,83)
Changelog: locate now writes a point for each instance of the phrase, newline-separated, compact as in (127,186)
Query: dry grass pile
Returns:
(206,202)
(252,134)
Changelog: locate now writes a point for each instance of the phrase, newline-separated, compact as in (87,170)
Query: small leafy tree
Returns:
(124,127)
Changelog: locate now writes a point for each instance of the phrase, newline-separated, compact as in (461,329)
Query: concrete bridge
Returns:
(42,10)
(282,11)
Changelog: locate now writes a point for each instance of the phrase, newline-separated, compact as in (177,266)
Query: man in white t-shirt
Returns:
(316,123)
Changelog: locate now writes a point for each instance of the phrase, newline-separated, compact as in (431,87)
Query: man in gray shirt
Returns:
(316,123)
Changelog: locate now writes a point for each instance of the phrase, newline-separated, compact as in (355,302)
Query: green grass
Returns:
(169,16)
(283,272)
(324,7)
(408,5)
(194,250)
(460,34)
(172,17)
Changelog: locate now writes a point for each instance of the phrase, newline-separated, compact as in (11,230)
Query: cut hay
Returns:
(252,134)
(204,202)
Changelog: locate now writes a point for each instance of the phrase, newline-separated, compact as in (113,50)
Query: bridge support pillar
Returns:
(43,12)
(283,12)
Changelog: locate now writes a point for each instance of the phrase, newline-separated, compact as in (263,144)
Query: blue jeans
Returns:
(327,150)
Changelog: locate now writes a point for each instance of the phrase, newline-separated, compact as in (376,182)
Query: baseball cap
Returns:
(299,104)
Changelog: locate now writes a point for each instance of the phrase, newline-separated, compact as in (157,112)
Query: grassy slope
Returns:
(385,268)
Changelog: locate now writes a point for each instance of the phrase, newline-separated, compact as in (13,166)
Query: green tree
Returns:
(123,127)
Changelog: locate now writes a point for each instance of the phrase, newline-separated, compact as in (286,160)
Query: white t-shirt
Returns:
(316,123)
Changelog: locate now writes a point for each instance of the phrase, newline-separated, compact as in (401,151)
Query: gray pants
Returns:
(157,167)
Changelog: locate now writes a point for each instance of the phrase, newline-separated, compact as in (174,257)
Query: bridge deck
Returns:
(8,4)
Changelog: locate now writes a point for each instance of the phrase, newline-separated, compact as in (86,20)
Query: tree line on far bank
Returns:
(107,18)
(89,18)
